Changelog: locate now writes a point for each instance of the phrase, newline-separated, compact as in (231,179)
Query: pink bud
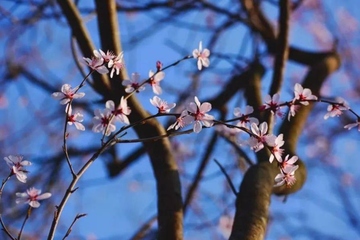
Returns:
(158,65)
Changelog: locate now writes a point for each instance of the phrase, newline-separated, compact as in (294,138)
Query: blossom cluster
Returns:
(32,196)
(196,113)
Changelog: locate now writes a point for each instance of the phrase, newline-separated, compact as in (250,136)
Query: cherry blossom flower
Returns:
(109,55)
(244,117)
(287,162)
(261,137)
(17,165)
(116,64)
(162,106)
(67,94)
(352,125)
(202,56)
(133,84)
(102,121)
(335,110)
(75,119)
(121,112)
(303,94)
(32,197)
(272,103)
(181,121)
(155,81)
(293,108)
(286,176)
(199,114)
(276,149)
(96,63)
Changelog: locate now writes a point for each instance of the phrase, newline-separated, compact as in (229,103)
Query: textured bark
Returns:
(170,214)
(253,201)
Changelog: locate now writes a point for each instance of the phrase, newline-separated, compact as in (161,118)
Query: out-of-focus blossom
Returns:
(17,163)
(67,94)
(225,225)
(155,81)
(32,197)
(226,131)
(161,105)
(133,84)
(352,125)
(202,56)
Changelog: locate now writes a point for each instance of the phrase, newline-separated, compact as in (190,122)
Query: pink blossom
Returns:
(287,162)
(303,94)
(17,165)
(75,119)
(272,103)
(121,112)
(198,113)
(161,105)
(276,151)
(96,63)
(202,56)
(102,121)
(292,109)
(109,55)
(261,137)
(67,94)
(133,84)
(181,121)
(155,81)
(286,176)
(32,197)
(116,64)
(352,125)
(245,117)
(335,110)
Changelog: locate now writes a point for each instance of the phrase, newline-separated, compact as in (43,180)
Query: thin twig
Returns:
(78,216)
(23,224)
(5,229)
(1,191)
(227,178)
